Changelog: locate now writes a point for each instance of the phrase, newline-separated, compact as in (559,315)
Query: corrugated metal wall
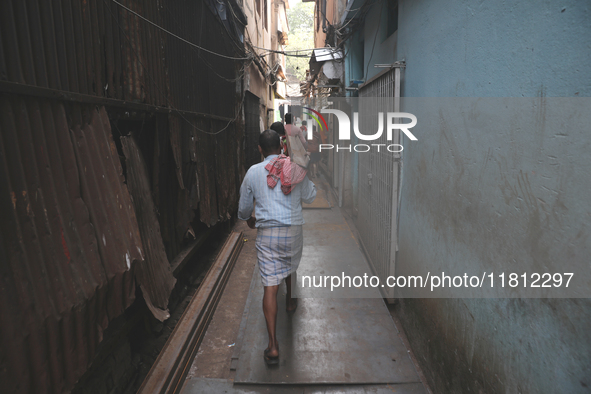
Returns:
(66,269)
(96,47)
(118,142)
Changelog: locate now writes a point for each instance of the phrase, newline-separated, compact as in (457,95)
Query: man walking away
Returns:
(277,187)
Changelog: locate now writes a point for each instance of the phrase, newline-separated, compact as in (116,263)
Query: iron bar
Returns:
(36,91)
(172,365)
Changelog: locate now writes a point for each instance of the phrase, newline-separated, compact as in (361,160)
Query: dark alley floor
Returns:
(329,345)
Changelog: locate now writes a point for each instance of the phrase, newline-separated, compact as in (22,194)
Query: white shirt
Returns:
(273,208)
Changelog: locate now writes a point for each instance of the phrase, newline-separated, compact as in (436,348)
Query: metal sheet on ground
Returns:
(338,340)
(200,385)
(331,250)
(320,202)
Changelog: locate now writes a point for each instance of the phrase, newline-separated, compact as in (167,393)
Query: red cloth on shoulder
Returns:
(282,168)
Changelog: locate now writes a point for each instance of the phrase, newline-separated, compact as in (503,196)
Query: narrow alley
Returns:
(295,196)
(331,345)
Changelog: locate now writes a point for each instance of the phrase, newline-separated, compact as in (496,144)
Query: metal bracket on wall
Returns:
(398,64)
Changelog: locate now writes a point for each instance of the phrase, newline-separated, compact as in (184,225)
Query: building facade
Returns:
(265,81)
(459,198)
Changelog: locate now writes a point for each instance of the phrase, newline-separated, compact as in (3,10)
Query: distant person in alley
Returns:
(294,131)
(280,129)
(277,187)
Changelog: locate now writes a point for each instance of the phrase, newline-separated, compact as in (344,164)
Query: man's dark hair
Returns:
(304,122)
(288,118)
(269,142)
(278,127)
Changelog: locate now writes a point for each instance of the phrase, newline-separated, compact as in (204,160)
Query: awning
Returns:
(324,54)
(320,56)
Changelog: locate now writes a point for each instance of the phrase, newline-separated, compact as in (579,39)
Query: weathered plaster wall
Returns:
(524,194)
(259,36)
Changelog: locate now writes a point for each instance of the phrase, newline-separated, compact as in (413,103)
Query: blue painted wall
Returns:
(467,196)
(496,48)
(370,45)
(378,47)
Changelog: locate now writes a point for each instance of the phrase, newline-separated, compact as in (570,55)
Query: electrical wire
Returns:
(288,53)
(353,18)
(239,45)
(233,13)
(177,37)
(295,50)
(170,105)
(242,72)
(212,68)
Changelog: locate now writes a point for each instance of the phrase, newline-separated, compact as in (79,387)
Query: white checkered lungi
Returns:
(279,251)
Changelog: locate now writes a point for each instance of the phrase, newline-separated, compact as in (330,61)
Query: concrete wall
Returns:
(256,32)
(463,200)
(259,35)
(265,36)
(279,23)
(378,49)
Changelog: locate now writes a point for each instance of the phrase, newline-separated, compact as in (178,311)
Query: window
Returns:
(392,13)
(265,15)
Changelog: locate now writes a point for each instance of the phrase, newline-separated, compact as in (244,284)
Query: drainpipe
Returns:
(341,177)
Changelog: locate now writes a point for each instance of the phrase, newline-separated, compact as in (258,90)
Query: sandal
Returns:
(270,360)
(294,309)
